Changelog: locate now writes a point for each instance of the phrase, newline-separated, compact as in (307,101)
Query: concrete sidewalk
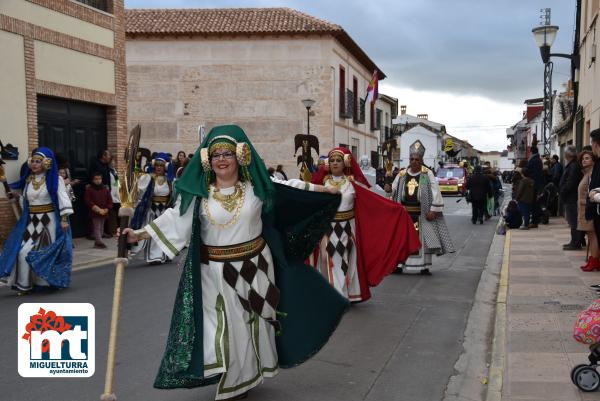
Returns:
(546,291)
(86,256)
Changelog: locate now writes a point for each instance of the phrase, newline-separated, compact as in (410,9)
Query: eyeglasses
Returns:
(224,156)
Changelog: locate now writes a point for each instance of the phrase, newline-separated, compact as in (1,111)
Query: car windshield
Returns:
(446,173)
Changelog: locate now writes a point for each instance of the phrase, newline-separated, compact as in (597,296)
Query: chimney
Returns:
(423,116)
(402,110)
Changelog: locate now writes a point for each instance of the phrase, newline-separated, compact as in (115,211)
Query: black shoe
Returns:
(425,272)
(480,221)
(398,270)
(570,247)
(473,221)
(597,286)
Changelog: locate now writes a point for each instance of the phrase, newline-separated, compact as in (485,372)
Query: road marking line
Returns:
(496,371)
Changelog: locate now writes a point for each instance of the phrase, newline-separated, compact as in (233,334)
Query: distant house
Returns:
(410,128)
(253,67)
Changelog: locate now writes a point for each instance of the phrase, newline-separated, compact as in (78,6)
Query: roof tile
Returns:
(238,21)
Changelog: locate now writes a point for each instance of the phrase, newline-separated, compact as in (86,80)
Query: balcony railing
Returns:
(99,4)
(359,118)
(349,109)
(376,123)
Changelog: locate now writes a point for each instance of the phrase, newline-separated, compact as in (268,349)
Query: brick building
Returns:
(252,67)
(63,85)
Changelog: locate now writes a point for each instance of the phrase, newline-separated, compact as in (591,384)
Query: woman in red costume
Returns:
(369,235)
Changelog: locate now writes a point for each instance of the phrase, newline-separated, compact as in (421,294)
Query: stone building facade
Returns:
(252,67)
(63,83)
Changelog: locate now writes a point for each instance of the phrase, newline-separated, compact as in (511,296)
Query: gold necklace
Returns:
(160,179)
(36,184)
(233,201)
(338,184)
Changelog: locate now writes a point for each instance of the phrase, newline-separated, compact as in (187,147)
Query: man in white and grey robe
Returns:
(417,189)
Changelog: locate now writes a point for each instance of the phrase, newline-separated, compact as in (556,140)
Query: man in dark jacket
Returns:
(568,192)
(102,165)
(591,207)
(536,172)
(556,171)
(479,188)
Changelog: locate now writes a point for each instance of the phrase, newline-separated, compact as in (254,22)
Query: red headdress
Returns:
(351,167)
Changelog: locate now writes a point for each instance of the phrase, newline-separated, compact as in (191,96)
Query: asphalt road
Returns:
(401,345)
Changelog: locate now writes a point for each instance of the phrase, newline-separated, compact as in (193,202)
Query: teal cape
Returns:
(311,307)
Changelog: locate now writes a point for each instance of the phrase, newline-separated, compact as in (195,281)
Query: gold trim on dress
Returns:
(344,215)
(38,209)
(241,251)
(161,199)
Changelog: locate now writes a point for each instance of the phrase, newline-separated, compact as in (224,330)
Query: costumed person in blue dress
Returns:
(39,250)
(154,191)
(244,279)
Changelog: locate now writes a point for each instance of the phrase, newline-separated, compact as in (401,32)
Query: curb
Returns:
(496,371)
(471,370)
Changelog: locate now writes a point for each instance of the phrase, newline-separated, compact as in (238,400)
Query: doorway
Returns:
(78,131)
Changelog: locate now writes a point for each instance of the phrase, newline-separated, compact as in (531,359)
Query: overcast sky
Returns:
(469,64)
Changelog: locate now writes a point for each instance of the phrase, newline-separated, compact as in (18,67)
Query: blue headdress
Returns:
(165,158)
(51,167)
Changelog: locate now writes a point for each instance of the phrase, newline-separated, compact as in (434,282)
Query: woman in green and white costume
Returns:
(244,279)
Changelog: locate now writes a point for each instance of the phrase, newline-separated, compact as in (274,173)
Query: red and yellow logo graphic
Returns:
(44,321)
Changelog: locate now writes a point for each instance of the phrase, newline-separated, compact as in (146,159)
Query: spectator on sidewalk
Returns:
(280,173)
(569,183)
(479,189)
(586,161)
(99,201)
(512,216)
(592,211)
(516,177)
(112,221)
(180,161)
(525,197)
(556,170)
(536,173)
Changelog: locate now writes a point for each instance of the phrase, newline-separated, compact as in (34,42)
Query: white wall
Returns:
(430,141)
(13,101)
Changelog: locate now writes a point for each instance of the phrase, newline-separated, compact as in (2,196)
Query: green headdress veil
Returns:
(196,177)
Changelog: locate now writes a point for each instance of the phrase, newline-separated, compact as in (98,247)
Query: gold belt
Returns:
(344,216)
(412,208)
(243,251)
(38,209)
(160,199)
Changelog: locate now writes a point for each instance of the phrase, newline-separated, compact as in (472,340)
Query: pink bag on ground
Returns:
(587,326)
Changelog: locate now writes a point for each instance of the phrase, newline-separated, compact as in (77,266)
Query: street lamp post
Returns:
(544,37)
(308,103)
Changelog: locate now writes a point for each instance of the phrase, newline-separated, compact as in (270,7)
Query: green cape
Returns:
(292,226)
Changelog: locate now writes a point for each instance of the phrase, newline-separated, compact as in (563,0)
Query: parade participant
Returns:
(368,236)
(247,239)
(417,189)
(38,251)
(154,195)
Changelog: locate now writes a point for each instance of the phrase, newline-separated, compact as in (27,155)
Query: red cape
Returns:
(385,236)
